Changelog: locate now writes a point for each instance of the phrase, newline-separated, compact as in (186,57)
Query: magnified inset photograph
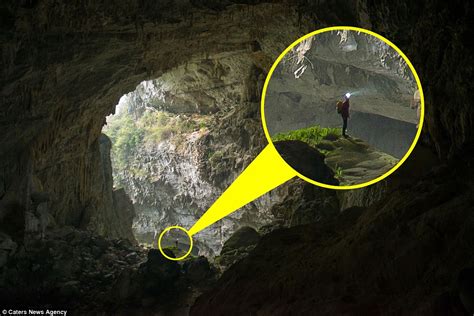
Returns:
(175,243)
(342,108)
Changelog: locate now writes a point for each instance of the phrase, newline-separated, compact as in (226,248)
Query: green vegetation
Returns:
(130,132)
(320,138)
(338,173)
(311,135)
(158,126)
(215,157)
(126,136)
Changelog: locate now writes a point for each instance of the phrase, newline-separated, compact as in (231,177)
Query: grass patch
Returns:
(320,138)
(310,135)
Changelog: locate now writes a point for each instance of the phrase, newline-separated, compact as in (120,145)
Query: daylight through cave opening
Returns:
(179,140)
(154,158)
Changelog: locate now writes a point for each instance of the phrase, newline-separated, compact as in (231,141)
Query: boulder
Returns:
(237,246)
(306,160)
(198,269)
(242,238)
(160,273)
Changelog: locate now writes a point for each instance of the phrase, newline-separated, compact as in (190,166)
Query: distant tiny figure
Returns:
(176,241)
(343,109)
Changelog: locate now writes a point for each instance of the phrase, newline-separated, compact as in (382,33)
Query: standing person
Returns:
(344,111)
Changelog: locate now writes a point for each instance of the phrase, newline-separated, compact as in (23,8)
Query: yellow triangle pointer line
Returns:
(264,173)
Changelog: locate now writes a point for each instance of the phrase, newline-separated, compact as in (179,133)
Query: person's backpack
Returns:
(339,107)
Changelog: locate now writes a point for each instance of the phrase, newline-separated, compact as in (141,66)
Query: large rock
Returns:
(237,246)
(305,204)
(125,212)
(6,243)
(242,238)
(127,287)
(198,270)
(358,161)
(160,269)
(306,160)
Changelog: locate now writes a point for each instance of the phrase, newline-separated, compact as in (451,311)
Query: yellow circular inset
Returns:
(415,75)
(190,243)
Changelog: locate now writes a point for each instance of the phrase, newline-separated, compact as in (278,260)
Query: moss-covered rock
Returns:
(355,161)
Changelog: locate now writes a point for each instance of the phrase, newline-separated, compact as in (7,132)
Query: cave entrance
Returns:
(155,157)
(179,140)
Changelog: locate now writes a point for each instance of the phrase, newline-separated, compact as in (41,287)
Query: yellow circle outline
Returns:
(418,83)
(190,243)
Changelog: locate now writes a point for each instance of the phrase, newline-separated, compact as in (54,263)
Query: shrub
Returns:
(126,137)
(129,133)
(157,134)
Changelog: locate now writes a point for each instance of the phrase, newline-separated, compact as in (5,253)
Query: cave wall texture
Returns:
(66,64)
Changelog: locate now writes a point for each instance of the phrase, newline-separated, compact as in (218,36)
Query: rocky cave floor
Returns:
(82,272)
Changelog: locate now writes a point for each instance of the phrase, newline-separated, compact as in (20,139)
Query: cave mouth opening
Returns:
(178,141)
(152,136)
